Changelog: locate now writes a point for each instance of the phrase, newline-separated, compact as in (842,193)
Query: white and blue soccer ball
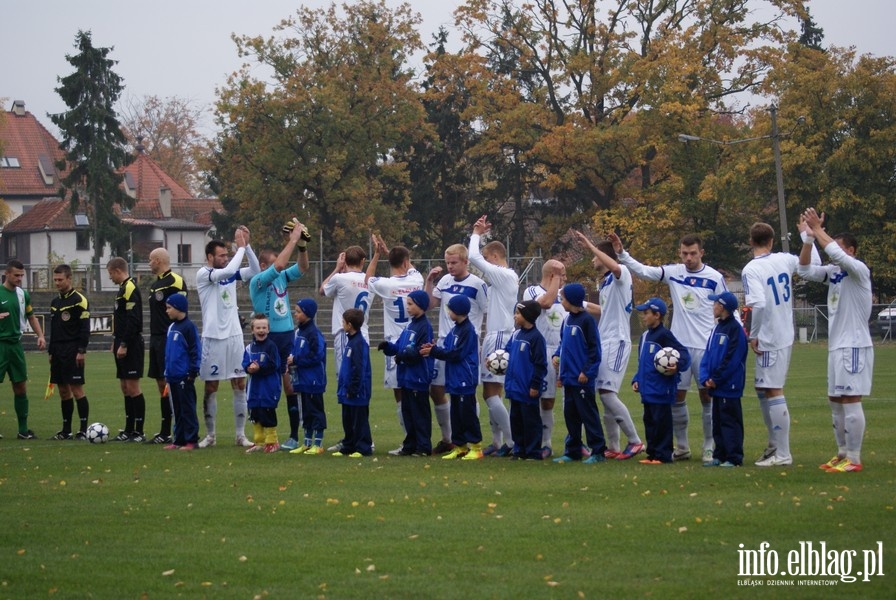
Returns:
(496,362)
(97,433)
(666,360)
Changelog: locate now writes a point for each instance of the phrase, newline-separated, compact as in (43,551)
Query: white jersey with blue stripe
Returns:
(393,290)
(616,306)
(692,318)
(470,286)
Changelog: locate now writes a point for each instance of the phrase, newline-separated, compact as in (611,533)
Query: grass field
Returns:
(129,521)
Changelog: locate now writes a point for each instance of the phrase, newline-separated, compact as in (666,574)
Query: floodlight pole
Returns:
(775,137)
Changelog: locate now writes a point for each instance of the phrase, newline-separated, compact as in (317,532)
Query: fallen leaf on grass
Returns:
(682,529)
(168,572)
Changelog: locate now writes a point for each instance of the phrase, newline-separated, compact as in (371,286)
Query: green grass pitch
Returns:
(130,521)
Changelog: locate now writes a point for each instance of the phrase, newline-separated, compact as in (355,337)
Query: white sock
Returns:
(443,418)
(707,426)
(498,415)
(622,418)
(766,418)
(400,417)
(547,427)
(210,412)
(680,420)
(611,429)
(838,418)
(854,428)
(240,412)
(780,418)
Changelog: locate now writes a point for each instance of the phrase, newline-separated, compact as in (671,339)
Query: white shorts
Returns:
(222,359)
(613,362)
(693,371)
(390,374)
(438,372)
(550,378)
(493,340)
(849,371)
(339,339)
(771,368)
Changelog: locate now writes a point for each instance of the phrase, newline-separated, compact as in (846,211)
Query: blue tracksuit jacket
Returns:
(579,349)
(414,371)
(182,351)
(725,359)
(265,385)
(527,365)
(652,385)
(461,356)
(309,357)
(353,387)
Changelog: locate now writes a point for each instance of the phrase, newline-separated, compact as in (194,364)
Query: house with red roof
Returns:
(44,232)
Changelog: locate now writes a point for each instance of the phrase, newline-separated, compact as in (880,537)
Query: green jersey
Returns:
(17,303)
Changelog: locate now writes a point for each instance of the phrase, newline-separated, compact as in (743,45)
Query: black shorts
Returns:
(131,366)
(64,368)
(157,356)
(283,340)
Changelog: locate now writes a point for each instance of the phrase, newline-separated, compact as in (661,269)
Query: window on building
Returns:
(184,253)
(82,240)
(9,162)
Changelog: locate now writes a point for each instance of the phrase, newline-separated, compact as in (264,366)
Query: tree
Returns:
(612,83)
(94,144)
(321,141)
(843,159)
(168,130)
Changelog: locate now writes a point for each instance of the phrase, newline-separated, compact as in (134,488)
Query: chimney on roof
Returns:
(140,147)
(18,108)
(165,201)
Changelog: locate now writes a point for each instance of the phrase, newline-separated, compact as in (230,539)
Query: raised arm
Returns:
(638,269)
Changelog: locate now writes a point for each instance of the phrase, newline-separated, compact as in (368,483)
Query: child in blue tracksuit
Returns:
(182,353)
(723,370)
(261,361)
(309,376)
(353,388)
(578,358)
(414,374)
(461,356)
(657,391)
(524,381)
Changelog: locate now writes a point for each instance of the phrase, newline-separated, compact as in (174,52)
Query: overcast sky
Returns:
(183,47)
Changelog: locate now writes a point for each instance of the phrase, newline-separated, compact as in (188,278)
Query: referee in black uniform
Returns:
(127,346)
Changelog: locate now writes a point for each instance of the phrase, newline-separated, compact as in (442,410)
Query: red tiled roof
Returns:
(50,212)
(24,138)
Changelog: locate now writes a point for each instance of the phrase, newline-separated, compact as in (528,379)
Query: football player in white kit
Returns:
(550,324)
(458,281)
(403,279)
(346,285)
(850,350)
(615,329)
(503,289)
(768,291)
(222,334)
(690,284)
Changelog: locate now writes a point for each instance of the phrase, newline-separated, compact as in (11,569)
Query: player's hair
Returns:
(547,269)
(267,256)
(690,239)
(458,250)
(495,248)
(63,270)
(117,264)
(849,240)
(606,246)
(212,246)
(398,255)
(161,254)
(14,263)
(354,256)
(762,234)
(354,317)
(258,316)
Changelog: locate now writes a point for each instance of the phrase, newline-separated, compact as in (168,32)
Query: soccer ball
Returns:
(665,360)
(97,433)
(496,362)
